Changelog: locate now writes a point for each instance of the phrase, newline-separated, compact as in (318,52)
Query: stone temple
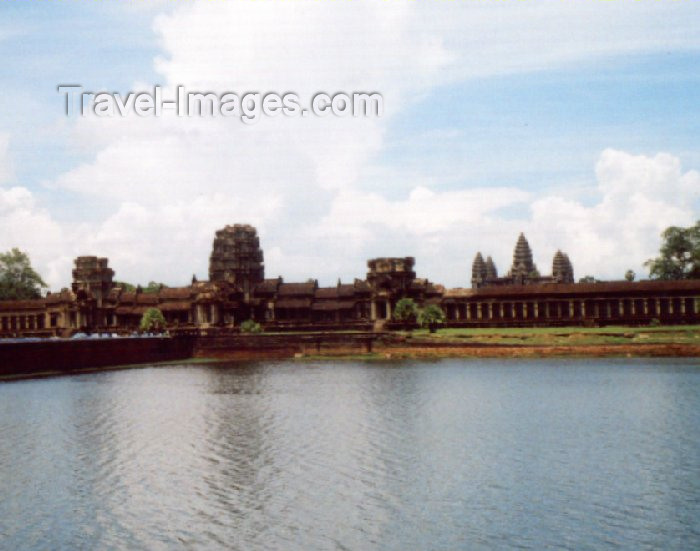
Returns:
(237,290)
(523,271)
(237,258)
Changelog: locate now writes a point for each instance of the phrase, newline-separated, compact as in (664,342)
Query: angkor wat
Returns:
(237,290)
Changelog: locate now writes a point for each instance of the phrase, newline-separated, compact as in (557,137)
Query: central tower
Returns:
(237,258)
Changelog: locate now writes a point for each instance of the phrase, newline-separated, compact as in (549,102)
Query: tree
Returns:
(406,310)
(154,287)
(431,316)
(125,286)
(250,326)
(588,279)
(630,275)
(152,320)
(18,280)
(679,254)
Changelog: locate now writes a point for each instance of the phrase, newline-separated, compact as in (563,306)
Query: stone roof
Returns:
(326,292)
(333,305)
(296,289)
(268,286)
(174,293)
(175,306)
(12,305)
(362,286)
(458,293)
(63,296)
(347,290)
(127,296)
(691,286)
(293,303)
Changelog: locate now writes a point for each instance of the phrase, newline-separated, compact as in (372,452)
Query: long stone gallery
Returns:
(237,290)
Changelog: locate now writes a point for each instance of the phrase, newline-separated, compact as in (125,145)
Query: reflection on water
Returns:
(457,454)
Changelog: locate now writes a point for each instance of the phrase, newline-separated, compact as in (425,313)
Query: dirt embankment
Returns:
(524,351)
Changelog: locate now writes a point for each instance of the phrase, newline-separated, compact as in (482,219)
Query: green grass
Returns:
(679,334)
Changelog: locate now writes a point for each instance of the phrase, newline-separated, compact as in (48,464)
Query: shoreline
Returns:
(51,358)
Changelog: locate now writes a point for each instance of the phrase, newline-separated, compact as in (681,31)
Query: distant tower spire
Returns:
(479,271)
(562,270)
(523,265)
(491,271)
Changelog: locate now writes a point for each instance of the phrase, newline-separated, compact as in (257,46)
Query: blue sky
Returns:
(500,117)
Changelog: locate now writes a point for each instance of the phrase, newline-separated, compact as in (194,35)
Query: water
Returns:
(455,454)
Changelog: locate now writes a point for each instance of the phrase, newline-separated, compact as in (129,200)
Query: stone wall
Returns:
(65,356)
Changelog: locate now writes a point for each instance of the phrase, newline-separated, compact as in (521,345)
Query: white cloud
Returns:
(304,182)
(30,228)
(639,197)
(6,171)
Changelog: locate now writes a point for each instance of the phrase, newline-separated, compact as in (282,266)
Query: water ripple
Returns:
(441,455)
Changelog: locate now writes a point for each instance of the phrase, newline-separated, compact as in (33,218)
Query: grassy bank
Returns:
(564,336)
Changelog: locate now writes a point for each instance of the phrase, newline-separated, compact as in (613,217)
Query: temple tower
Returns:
(523,267)
(562,270)
(491,271)
(92,278)
(479,271)
(237,258)
(389,279)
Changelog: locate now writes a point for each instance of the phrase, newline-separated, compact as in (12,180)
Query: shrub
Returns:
(431,316)
(406,311)
(152,320)
(250,326)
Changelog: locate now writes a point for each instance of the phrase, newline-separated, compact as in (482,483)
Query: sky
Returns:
(575,122)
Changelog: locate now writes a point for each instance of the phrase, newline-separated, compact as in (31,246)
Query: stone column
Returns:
(671,309)
(633,306)
(490,310)
(479,313)
(536,309)
(658,307)
(373,310)
(608,309)
(682,305)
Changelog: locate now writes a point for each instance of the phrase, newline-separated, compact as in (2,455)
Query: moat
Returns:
(448,454)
